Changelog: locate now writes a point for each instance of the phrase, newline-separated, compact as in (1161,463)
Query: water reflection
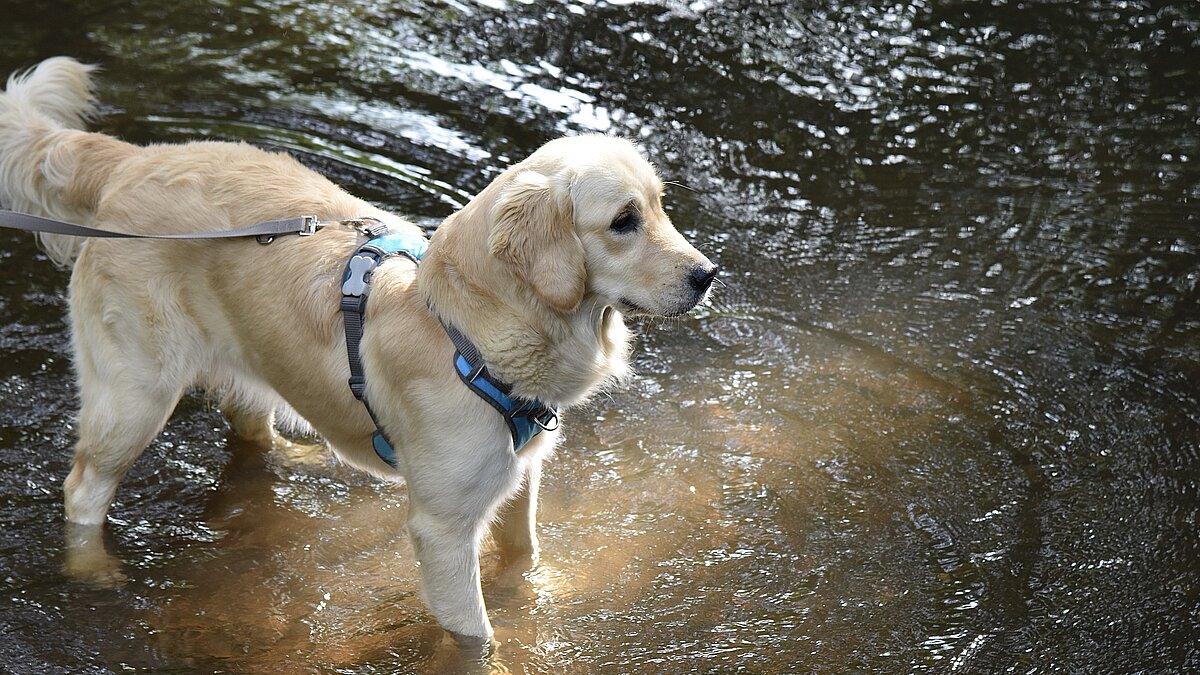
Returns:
(942,417)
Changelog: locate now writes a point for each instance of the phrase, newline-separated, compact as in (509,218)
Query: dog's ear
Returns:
(532,230)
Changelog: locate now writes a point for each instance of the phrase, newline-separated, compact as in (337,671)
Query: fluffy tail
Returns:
(40,110)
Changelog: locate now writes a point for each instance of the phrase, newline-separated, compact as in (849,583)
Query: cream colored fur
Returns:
(530,270)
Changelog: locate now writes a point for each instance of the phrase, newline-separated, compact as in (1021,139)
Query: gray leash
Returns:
(265,232)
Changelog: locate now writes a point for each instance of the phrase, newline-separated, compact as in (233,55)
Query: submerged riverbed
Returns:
(942,416)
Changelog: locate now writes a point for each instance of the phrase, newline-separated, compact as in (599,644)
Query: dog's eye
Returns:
(627,221)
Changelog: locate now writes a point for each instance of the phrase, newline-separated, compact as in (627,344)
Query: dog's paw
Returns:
(99,577)
(472,654)
(292,453)
(86,560)
(513,566)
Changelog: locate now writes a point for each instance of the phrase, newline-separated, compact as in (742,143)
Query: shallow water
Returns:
(942,416)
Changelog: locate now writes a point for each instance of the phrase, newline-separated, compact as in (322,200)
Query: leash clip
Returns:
(310,226)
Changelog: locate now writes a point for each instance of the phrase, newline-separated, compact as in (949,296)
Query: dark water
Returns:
(944,416)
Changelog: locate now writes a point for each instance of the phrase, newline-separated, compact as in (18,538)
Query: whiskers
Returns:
(678,184)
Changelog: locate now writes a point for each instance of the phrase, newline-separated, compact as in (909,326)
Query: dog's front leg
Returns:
(451,502)
(456,483)
(447,548)
(515,531)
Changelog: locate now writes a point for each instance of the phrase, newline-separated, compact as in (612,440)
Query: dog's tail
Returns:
(42,150)
(59,88)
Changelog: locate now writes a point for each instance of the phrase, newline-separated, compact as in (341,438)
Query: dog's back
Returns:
(50,167)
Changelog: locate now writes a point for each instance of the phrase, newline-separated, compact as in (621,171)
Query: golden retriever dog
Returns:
(537,271)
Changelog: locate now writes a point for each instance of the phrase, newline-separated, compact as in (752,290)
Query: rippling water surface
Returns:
(943,416)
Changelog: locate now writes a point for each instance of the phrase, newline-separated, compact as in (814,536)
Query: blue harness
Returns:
(525,418)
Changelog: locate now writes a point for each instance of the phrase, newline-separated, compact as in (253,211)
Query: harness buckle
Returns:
(357,271)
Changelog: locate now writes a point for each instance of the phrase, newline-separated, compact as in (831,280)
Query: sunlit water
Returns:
(942,416)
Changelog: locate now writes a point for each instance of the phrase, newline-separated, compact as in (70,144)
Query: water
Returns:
(943,416)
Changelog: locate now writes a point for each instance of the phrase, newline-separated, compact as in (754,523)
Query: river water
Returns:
(942,415)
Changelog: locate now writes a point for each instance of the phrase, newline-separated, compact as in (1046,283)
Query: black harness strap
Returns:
(465,347)
(356,288)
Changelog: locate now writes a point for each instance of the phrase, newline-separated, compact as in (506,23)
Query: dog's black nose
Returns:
(702,277)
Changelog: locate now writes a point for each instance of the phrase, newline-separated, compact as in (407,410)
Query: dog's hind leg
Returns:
(132,371)
(118,419)
(251,425)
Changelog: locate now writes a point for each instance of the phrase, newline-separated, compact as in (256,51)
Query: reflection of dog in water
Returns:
(535,271)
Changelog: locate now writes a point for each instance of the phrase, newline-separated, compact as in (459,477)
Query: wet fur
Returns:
(528,270)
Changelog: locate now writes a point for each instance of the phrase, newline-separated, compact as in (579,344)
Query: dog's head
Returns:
(584,216)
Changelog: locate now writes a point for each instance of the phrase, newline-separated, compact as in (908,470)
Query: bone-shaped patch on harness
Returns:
(356,280)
